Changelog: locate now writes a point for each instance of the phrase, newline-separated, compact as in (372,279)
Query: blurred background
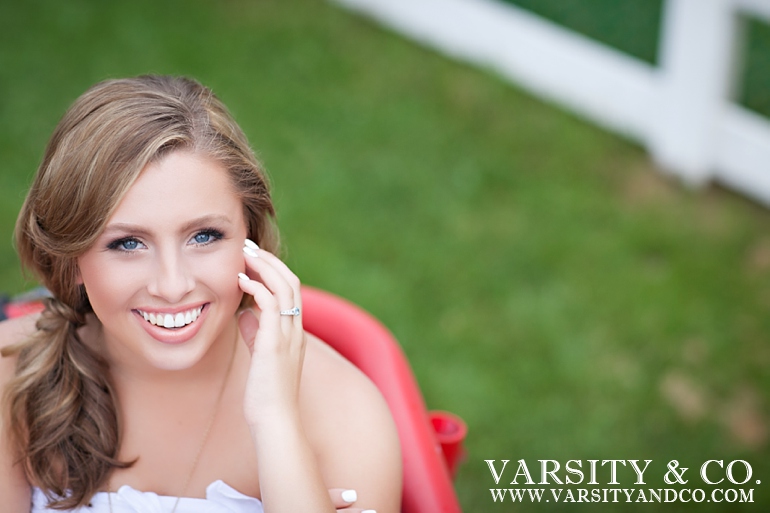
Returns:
(547,281)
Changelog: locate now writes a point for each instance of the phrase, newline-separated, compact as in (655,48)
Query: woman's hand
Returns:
(276,341)
(289,475)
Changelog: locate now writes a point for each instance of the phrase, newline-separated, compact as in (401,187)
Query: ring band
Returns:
(293,312)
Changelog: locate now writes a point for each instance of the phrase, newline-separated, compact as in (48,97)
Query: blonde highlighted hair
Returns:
(60,404)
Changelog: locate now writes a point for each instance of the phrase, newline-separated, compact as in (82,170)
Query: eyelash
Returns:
(116,245)
(213,233)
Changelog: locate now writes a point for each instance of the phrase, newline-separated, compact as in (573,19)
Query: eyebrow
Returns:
(140,230)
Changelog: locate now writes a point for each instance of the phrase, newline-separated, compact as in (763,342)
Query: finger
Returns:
(272,277)
(268,273)
(269,319)
(277,263)
(277,277)
(342,497)
(284,270)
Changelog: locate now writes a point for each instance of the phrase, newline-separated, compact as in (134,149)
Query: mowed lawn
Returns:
(547,283)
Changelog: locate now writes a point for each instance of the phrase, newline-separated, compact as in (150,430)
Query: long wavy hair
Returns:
(60,404)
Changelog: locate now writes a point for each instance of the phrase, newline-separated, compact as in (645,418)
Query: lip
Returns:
(176,335)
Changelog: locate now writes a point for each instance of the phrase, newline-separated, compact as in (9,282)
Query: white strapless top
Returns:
(220,498)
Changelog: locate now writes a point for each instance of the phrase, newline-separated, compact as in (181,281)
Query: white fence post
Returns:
(697,52)
(681,110)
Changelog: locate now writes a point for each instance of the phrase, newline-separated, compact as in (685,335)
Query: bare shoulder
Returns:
(350,427)
(14,487)
(331,374)
(333,384)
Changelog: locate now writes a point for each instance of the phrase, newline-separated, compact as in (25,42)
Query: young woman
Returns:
(170,371)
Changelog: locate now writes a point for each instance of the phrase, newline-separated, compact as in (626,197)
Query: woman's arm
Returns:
(14,488)
(329,429)
(351,426)
(332,428)
(289,476)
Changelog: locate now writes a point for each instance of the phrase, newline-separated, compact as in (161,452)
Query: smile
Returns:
(170,321)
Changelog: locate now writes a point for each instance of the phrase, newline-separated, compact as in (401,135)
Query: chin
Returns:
(175,358)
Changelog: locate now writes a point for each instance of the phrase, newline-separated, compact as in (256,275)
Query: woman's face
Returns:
(162,277)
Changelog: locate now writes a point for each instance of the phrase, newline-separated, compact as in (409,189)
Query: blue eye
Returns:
(205,237)
(128,244)
(202,238)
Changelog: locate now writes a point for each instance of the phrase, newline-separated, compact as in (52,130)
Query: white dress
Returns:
(220,498)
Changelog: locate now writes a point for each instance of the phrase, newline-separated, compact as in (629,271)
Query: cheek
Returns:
(220,270)
(107,284)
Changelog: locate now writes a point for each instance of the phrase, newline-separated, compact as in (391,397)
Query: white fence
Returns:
(681,110)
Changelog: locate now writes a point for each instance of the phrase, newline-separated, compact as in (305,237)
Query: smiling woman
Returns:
(171,250)
(164,374)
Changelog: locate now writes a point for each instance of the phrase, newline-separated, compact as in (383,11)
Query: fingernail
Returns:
(369,511)
(250,244)
(242,276)
(250,251)
(349,496)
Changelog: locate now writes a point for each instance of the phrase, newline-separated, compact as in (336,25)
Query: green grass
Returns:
(546,282)
(754,92)
(632,26)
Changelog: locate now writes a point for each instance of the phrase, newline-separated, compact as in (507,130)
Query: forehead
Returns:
(180,185)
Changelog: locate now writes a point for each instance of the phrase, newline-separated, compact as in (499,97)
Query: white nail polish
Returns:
(243,277)
(250,244)
(250,251)
(349,496)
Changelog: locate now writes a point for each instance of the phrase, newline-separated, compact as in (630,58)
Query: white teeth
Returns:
(168,320)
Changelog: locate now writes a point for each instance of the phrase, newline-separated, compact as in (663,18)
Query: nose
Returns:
(172,279)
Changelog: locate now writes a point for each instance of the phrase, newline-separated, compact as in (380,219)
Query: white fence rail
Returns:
(682,110)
